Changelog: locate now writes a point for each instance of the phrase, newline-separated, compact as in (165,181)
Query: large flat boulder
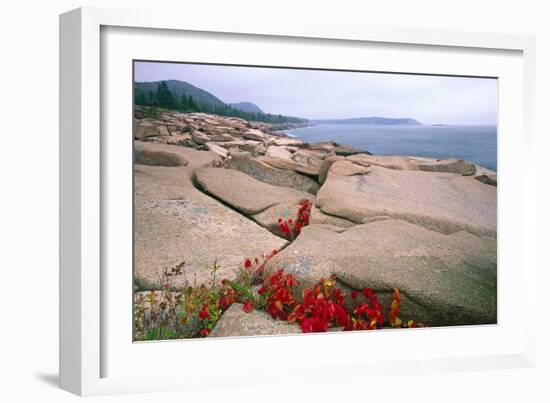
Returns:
(200,137)
(243,192)
(244,145)
(443,202)
(346,168)
(291,165)
(163,130)
(264,172)
(278,152)
(219,129)
(387,161)
(145,129)
(235,322)
(176,138)
(307,157)
(216,148)
(288,141)
(219,137)
(338,149)
(325,166)
(444,279)
(255,134)
(159,154)
(318,217)
(175,222)
(450,165)
(195,158)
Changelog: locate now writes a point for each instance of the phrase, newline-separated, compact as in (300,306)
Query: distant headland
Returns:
(373,120)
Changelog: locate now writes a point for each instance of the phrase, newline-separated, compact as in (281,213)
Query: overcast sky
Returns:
(317,94)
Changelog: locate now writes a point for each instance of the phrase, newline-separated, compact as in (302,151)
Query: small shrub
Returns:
(291,228)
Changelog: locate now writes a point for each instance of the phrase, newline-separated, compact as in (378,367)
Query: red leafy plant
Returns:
(323,306)
(291,228)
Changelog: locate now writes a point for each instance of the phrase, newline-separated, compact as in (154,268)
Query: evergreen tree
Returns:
(165,97)
(184,103)
(153,103)
(192,105)
(140,98)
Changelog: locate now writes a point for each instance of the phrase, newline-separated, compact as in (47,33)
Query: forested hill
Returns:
(184,97)
(179,88)
(247,107)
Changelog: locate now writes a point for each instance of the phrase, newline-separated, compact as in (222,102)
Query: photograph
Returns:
(270,200)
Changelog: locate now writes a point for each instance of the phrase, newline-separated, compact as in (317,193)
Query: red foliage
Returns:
(204,314)
(319,308)
(277,289)
(227,300)
(292,228)
(247,306)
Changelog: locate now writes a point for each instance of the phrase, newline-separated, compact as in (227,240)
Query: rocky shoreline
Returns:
(212,188)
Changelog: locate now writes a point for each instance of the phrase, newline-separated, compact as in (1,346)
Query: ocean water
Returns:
(477,144)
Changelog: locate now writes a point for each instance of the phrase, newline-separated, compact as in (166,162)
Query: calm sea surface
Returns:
(473,143)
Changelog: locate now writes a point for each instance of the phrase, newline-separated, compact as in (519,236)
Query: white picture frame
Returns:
(83,178)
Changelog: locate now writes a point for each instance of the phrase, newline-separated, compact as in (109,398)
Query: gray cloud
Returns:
(319,94)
